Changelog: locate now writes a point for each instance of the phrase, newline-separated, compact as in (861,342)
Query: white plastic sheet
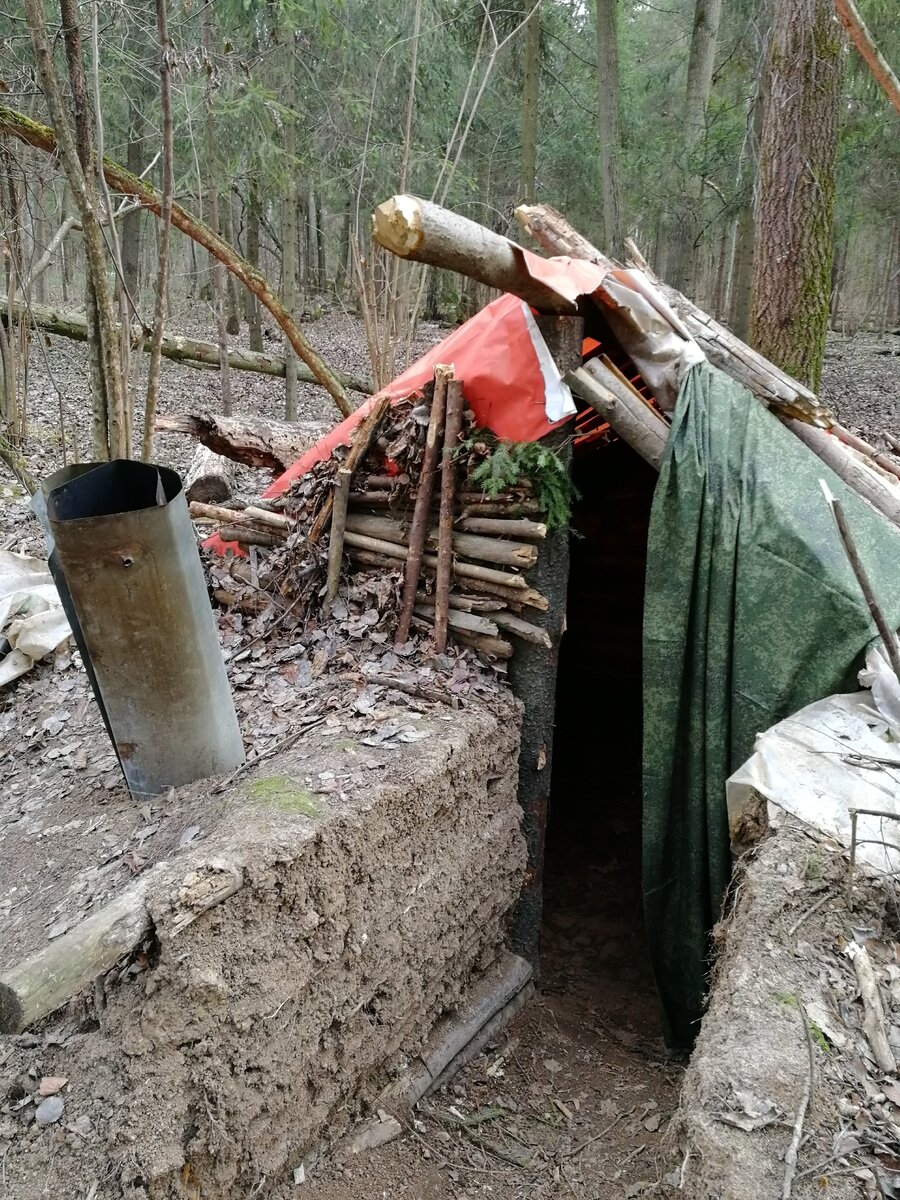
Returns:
(31,616)
(839,754)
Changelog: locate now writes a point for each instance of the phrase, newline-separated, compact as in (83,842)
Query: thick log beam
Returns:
(268,445)
(187,351)
(632,419)
(424,232)
(768,383)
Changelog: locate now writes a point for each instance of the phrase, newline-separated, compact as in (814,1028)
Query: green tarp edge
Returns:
(751,612)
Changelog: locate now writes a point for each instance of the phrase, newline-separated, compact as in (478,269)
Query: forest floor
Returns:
(575,1096)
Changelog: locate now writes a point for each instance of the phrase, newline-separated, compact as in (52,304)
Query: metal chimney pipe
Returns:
(122,551)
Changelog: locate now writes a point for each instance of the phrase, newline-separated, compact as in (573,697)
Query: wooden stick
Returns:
(873,1021)
(893,442)
(790,1155)
(247,536)
(338,530)
(486,507)
(523,629)
(46,980)
(872,487)
(504,527)
(462,570)
(422,231)
(514,597)
(361,439)
(473,604)
(209,478)
(264,516)
(493,647)
(888,637)
(452,430)
(442,376)
(868,50)
(456,620)
(518,555)
(882,457)
(640,426)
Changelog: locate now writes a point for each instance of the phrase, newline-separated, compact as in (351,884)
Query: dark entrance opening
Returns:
(593,944)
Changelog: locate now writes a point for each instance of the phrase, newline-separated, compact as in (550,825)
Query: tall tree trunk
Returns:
(131,222)
(795,211)
(212,172)
(531,90)
(251,305)
(688,222)
(608,124)
(312,240)
(76,154)
(232,294)
(162,274)
(289,241)
(321,272)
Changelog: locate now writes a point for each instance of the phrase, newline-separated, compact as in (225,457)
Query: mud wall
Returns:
(264,1028)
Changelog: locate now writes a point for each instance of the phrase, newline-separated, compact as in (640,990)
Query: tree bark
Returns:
(162,270)
(608,123)
(76,154)
(212,170)
(686,231)
(131,222)
(251,311)
(289,240)
(531,90)
(795,209)
(33,133)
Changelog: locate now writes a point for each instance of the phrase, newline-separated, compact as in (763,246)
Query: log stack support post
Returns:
(532,676)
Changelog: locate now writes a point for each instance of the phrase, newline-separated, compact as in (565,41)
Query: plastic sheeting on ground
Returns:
(833,756)
(31,616)
(751,613)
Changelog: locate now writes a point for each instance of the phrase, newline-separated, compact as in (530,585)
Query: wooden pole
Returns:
(452,430)
(418,531)
(634,420)
(887,634)
(868,51)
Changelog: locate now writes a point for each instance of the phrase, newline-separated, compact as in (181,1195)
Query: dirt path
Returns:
(575,1097)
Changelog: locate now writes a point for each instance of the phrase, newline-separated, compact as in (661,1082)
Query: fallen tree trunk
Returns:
(42,137)
(268,445)
(425,232)
(188,351)
(767,382)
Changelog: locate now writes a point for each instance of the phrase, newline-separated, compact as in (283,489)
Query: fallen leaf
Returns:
(51,1084)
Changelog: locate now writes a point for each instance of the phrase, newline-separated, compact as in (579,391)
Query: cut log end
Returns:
(397,226)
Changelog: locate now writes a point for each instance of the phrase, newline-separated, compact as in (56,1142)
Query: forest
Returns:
(267,132)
